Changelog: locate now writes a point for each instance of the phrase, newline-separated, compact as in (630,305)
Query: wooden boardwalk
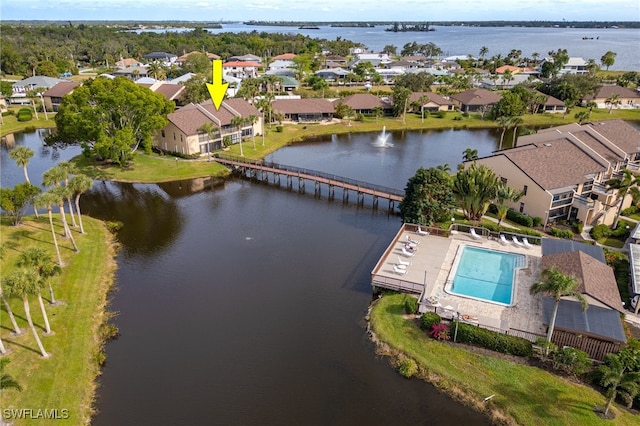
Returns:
(262,170)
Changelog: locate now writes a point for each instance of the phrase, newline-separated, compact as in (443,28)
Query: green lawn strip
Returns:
(67,379)
(152,168)
(12,125)
(523,395)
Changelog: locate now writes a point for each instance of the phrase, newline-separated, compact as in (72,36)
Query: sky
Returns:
(322,10)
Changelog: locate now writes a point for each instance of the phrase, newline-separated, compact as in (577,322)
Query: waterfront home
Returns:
(304,110)
(365,103)
(575,65)
(433,103)
(501,82)
(53,97)
(475,100)
(551,105)
(186,131)
(333,74)
(562,170)
(375,59)
(626,98)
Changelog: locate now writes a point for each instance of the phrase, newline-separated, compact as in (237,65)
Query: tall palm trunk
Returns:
(51,296)
(27,312)
(552,323)
(16,330)
(53,233)
(26,177)
(67,231)
(47,328)
(2,349)
(78,212)
(73,218)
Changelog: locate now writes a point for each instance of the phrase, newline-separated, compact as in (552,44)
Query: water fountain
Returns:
(381,140)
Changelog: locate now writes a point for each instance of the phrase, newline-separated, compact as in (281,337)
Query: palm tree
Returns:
(156,70)
(622,185)
(556,284)
(483,52)
(237,122)
(68,169)
(21,155)
(591,105)
(470,154)
(31,94)
(617,379)
(48,199)
(6,380)
(54,176)
(423,100)
(20,284)
(80,184)
(503,122)
(38,260)
(581,116)
(16,330)
(475,188)
(377,112)
(252,120)
(62,193)
(44,264)
(505,195)
(613,100)
(515,122)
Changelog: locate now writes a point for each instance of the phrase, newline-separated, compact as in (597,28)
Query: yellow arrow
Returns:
(218,89)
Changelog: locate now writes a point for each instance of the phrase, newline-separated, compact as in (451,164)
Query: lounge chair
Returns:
(403,262)
(399,271)
(474,235)
(410,241)
(407,253)
(503,240)
(526,243)
(420,231)
(516,241)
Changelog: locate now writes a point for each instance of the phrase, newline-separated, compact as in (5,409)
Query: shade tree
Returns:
(428,197)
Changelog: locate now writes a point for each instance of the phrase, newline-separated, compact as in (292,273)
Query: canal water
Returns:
(244,303)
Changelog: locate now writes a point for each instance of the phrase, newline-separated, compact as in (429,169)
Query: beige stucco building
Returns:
(186,132)
(563,170)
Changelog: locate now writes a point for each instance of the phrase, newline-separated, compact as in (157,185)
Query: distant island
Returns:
(408,24)
(403,27)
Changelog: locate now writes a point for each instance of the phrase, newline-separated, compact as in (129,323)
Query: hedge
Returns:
(519,218)
(561,233)
(492,340)
(24,114)
(429,319)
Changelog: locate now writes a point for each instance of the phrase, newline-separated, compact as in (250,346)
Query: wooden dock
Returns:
(263,170)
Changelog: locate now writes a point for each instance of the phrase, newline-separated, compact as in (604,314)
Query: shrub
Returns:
(579,227)
(279,129)
(498,342)
(629,211)
(429,319)
(410,305)
(561,233)
(359,117)
(600,231)
(537,221)
(440,114)
(407,367)
(24,114)
(571,360)
(457,118)
(440,332)
(519,218)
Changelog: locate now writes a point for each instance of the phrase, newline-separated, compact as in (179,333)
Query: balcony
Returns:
(563,202)
(582,202)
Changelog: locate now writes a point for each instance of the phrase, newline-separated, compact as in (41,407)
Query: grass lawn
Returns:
(524,395)
(12,125)
(66,380)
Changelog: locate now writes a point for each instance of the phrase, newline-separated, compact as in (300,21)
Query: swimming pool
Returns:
(486,274)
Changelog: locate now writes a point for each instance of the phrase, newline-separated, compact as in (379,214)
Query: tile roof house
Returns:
(364,103)
(282,61)
(132,73)
(562,170)
(434,101)
(185,134)
(598,330)
(551,105)
(241,69)
(304,110)
(475,99)
(171,91)
(128,62)
(53,97)
(628,98)
(183,58)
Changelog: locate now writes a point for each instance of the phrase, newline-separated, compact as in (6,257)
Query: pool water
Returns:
(486,274)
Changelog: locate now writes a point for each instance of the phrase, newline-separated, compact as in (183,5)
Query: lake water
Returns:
(244,304)
(461,40)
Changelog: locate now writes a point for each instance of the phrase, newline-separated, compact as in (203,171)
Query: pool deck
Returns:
(431,266)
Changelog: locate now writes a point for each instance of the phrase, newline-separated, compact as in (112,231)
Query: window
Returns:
(521,207)
(504,180)
(525,190)
(162,132)
(174,136)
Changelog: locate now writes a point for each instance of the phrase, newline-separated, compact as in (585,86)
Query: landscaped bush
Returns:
(359,117)
(498,342)
(600,231)
(440,114)
(561,233)
(572,361)
(24,114)
(407,367)
(429,319)
(411,305)
(537,221)
(279,129)
(579,227)
(629,211)
(623,230)
(520,218)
